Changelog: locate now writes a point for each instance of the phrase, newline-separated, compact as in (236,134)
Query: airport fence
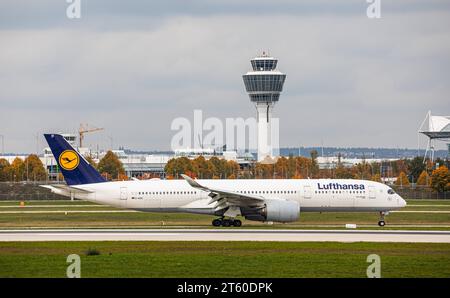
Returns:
(421,193)
(25,191)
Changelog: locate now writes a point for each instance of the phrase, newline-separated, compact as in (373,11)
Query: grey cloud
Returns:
(116,15)
(351,81)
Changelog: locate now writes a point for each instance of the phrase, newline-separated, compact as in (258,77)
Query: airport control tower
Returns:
(264,84)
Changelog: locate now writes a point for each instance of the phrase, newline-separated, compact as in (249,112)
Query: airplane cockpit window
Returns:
(391,191)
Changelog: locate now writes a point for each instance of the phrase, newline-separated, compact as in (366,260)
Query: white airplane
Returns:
(277,200)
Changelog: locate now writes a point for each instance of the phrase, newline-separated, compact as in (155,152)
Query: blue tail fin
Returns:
(75,169)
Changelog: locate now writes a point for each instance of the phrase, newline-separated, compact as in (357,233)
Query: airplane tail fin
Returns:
(75,169)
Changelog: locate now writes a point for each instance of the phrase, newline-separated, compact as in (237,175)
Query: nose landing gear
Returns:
(226,222)
(382,223)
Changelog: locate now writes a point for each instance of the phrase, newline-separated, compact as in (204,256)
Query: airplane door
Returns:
(307,192)
(372,194)
(123,193)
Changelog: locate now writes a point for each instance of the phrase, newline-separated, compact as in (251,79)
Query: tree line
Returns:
(109,166)
(213,168)
(407,171)
(32,169)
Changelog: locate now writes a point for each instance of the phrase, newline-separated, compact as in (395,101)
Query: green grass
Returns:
(47,202)
(52,209)
(174,219)
(223,259)
(428,202)
(144,219)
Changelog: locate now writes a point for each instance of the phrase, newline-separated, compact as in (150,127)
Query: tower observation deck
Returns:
(264,85)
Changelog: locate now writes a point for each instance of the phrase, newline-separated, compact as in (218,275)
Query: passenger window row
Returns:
(239,191)
(340,191)
(167,192)
(267,191)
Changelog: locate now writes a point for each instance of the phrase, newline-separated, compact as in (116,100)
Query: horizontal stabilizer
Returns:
(66,188)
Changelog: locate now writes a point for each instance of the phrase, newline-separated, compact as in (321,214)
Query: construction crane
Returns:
(85,129)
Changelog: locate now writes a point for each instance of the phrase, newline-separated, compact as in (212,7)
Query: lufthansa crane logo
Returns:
(69,160)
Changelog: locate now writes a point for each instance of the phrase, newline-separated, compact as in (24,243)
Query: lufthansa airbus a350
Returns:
(278,200)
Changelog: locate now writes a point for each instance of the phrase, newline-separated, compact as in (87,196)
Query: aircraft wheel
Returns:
(217,222)
(237,223)
(226,223)
(381,223)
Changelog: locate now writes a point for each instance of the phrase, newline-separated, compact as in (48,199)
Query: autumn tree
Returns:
(232,169)
(314,164)
(281,167)
(362,170)
(180,165)
(423,179)
(402,180)
(201,168)
(439,162)
(264,171)
(18,169)
(291,167)
(91,161)
(416,168)
(204,169)
(304,165)
(343,172)
(34,168)
(5,170)
(376,178)
(111,165)
(400,165)
(440,179)
(218,166)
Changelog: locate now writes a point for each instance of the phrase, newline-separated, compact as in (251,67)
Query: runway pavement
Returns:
(67,211)
(225,235)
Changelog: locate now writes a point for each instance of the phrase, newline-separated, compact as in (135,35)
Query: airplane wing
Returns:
(226,198)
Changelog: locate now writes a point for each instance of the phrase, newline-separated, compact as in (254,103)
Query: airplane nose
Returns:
(402,202)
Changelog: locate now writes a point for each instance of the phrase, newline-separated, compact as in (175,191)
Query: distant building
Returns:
(331,162)
(140,164)
(437,128)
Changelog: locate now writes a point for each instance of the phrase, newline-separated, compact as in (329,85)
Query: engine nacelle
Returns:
(277,210)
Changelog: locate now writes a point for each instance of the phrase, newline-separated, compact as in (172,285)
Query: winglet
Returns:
(193,183)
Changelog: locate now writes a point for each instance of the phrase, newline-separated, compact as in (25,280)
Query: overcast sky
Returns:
(133,66)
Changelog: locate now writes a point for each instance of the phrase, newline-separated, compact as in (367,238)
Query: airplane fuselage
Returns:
(320,195)
(277,200)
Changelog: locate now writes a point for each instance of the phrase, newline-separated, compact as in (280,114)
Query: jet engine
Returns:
(275,210)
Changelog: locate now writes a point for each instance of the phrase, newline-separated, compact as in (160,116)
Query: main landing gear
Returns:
(382,223)
(226,222)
